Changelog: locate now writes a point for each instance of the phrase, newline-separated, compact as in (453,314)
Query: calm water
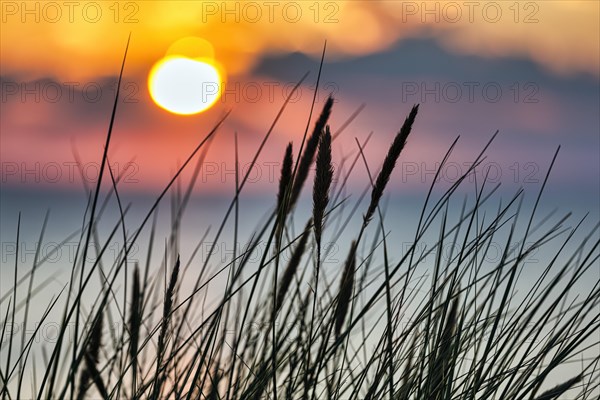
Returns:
(206,212)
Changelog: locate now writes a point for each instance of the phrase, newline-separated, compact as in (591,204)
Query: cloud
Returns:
(39,137)
(83,39)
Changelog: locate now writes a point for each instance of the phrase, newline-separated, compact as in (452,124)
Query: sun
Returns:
(185,85)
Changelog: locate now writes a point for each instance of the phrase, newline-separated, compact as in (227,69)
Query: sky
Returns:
(527,69)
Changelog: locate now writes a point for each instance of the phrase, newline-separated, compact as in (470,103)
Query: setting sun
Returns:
(184,85)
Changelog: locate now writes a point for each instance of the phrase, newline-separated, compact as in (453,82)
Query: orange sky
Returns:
(76,40)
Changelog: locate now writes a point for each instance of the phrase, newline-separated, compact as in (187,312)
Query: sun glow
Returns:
(184,86)
(187,80)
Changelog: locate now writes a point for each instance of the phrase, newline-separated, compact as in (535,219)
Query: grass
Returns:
(371,328)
